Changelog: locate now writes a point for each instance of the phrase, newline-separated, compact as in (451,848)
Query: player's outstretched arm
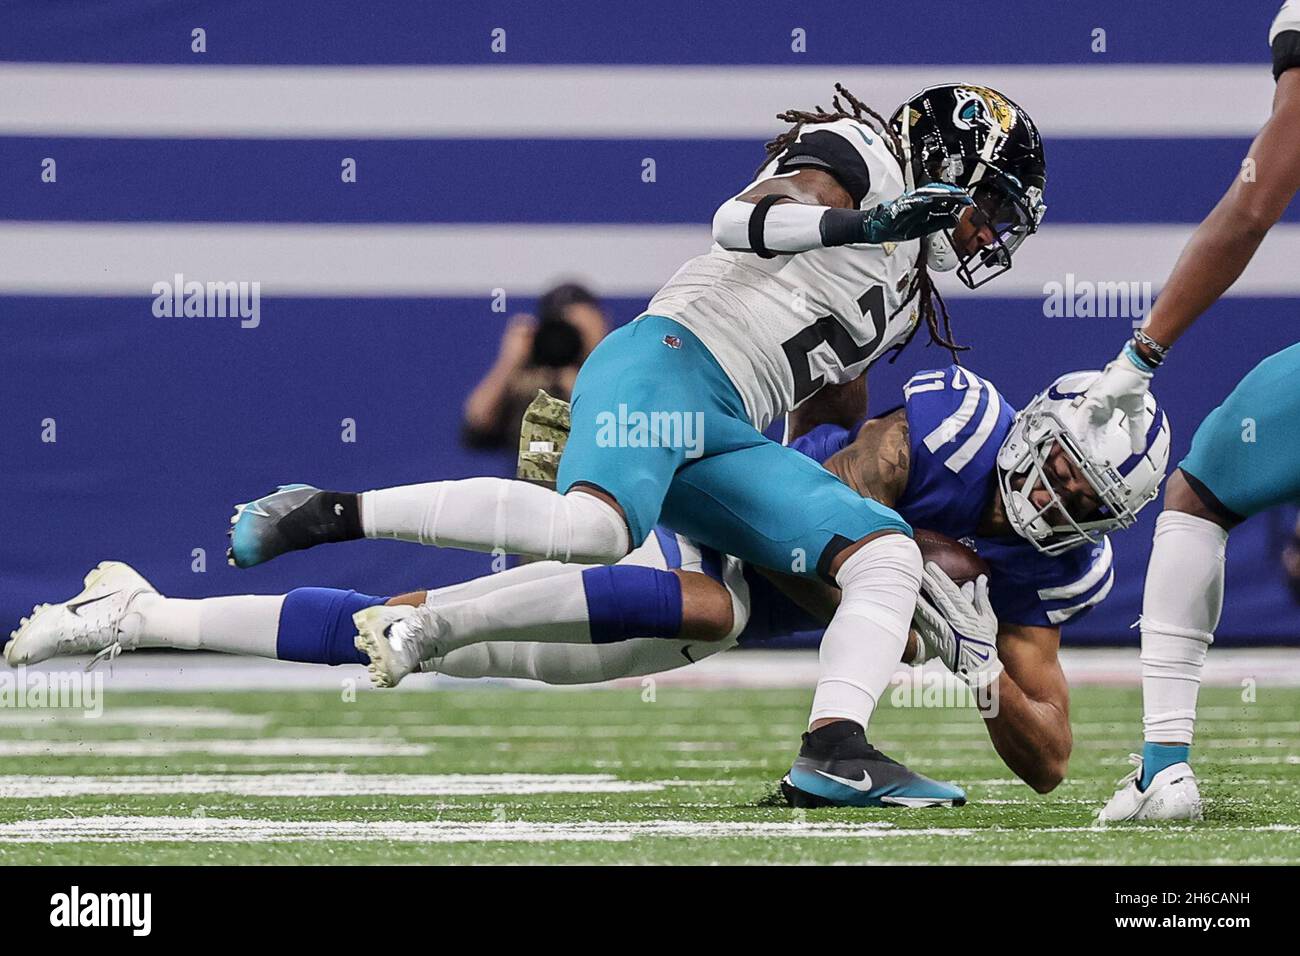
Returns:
(1214,258)
(810,209)
(1224,243)
(1031,727)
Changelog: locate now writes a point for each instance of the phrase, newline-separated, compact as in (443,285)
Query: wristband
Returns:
(1158,351)
(843,227)
(1141,364)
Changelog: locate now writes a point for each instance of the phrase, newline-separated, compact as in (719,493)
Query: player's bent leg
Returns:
(704,614)
(880,578)
(774,507)
(645,595)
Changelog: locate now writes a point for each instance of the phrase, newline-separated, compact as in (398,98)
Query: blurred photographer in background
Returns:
(542,351)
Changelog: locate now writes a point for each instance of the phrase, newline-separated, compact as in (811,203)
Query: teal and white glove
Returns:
(915,214)
(957,625)
(1123,385)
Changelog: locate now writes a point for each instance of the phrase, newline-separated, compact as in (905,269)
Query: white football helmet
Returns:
(1123,482)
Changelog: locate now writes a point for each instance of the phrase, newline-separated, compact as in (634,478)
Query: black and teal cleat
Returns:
(836,767)
(291,518)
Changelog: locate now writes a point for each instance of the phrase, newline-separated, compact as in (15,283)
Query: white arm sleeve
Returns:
(790,227)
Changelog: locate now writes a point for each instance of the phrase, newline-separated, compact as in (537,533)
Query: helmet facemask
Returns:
(1052,529)
(1010,212)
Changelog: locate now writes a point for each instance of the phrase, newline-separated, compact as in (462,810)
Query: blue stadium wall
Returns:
(163,423)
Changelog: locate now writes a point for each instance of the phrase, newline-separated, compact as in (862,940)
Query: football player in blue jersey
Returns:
(1022,489)
(818,267)
(1223,480)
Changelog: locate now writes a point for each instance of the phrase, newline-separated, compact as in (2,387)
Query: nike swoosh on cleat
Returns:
(72,607)
(861,786)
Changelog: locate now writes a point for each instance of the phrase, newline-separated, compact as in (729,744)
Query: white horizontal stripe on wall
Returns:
(76,258)
(596,101)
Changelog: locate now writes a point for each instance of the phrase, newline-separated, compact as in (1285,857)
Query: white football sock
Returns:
(1181,604)
(573,663)
(864,642)
(488,583)
(486,514)
(549,609)
(245,624)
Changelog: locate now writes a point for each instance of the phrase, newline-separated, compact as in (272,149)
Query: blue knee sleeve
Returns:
(626,601)
(316,626)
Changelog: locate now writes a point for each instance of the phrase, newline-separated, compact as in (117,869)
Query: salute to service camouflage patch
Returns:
(542,437)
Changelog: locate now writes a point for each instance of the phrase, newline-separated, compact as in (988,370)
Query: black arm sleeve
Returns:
(831,152)
(1286,51)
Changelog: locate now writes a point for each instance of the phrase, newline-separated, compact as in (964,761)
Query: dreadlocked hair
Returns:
(930,304)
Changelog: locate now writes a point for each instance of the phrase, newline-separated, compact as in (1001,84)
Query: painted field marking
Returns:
(273,747)
(137,716)
(165,829)
(319,785)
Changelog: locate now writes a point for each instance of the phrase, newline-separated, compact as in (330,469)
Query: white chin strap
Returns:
(940,256)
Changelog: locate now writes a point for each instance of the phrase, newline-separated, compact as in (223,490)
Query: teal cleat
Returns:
(291,518)
(836,767)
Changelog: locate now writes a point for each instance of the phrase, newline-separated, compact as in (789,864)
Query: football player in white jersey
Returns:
(1222,481)
(1018,488)
(819,267)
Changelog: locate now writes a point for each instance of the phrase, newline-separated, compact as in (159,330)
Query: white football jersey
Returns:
(1284,38)
(782,328)
(1288,18)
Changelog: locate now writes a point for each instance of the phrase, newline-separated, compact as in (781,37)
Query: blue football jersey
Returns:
(957,421)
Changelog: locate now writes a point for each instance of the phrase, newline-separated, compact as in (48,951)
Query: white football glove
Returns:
(1124,386)
(957,625)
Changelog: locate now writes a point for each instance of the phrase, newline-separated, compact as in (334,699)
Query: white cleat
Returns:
(1172,795)
(90,623)
(397,638)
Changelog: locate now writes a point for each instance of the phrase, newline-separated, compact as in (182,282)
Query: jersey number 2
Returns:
(831,331)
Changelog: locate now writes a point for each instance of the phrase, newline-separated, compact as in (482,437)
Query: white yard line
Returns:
(206,717)
(320,785)
(273,747)
(758,669)
(165,829)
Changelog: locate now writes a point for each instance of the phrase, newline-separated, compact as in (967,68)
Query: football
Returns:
(958,561)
